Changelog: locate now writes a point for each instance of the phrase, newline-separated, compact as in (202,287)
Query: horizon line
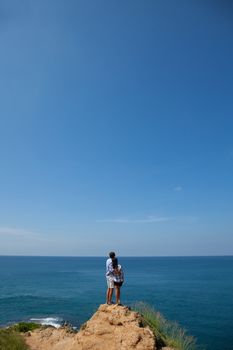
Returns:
(122,256)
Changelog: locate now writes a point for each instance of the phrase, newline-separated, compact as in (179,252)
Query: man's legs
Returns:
(109,295)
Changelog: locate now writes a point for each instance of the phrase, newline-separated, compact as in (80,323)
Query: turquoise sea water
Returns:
(195,291)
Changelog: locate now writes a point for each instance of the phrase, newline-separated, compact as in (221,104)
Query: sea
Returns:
(196,292)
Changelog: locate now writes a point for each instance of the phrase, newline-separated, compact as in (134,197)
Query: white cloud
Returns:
(177,188)
(148,219)
(10,231)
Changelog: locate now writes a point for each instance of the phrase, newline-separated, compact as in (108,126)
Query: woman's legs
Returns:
(118,294)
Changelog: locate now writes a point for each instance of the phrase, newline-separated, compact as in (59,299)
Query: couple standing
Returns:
(115,278)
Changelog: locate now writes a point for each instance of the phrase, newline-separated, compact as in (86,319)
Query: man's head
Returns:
(112,255)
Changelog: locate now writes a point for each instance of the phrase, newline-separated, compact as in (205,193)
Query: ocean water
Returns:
(195,291)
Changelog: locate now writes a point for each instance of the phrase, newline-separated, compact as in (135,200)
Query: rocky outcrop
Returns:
(112,327)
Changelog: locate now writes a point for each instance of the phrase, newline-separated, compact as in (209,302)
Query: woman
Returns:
(118,278)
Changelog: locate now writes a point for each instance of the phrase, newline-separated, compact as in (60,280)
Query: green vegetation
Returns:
(11,340)
(167,333)
(25,326)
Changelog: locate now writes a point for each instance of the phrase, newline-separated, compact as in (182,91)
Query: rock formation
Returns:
(112,327)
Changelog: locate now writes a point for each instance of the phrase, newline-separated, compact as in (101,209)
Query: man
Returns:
(109,277)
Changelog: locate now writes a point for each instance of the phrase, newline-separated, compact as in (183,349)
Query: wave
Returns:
(48,321)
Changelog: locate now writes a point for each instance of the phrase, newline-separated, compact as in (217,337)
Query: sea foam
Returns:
(48,321)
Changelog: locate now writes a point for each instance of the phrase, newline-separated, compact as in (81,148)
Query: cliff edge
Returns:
(112,327)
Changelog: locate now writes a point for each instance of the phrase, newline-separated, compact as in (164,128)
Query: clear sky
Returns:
(116,127)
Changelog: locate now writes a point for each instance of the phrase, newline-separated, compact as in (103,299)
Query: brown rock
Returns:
(112,327)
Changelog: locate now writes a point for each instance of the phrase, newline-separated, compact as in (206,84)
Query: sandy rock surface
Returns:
(112,327)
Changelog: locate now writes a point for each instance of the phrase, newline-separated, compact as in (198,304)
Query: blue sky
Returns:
(116,123)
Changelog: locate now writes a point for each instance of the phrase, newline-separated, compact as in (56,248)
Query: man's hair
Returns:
(112,255)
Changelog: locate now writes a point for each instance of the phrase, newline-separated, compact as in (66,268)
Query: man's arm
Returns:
(109,267)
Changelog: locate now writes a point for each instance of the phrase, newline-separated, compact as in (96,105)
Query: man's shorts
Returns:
(110,282)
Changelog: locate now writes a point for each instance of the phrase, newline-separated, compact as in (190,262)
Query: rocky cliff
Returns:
(112,327)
